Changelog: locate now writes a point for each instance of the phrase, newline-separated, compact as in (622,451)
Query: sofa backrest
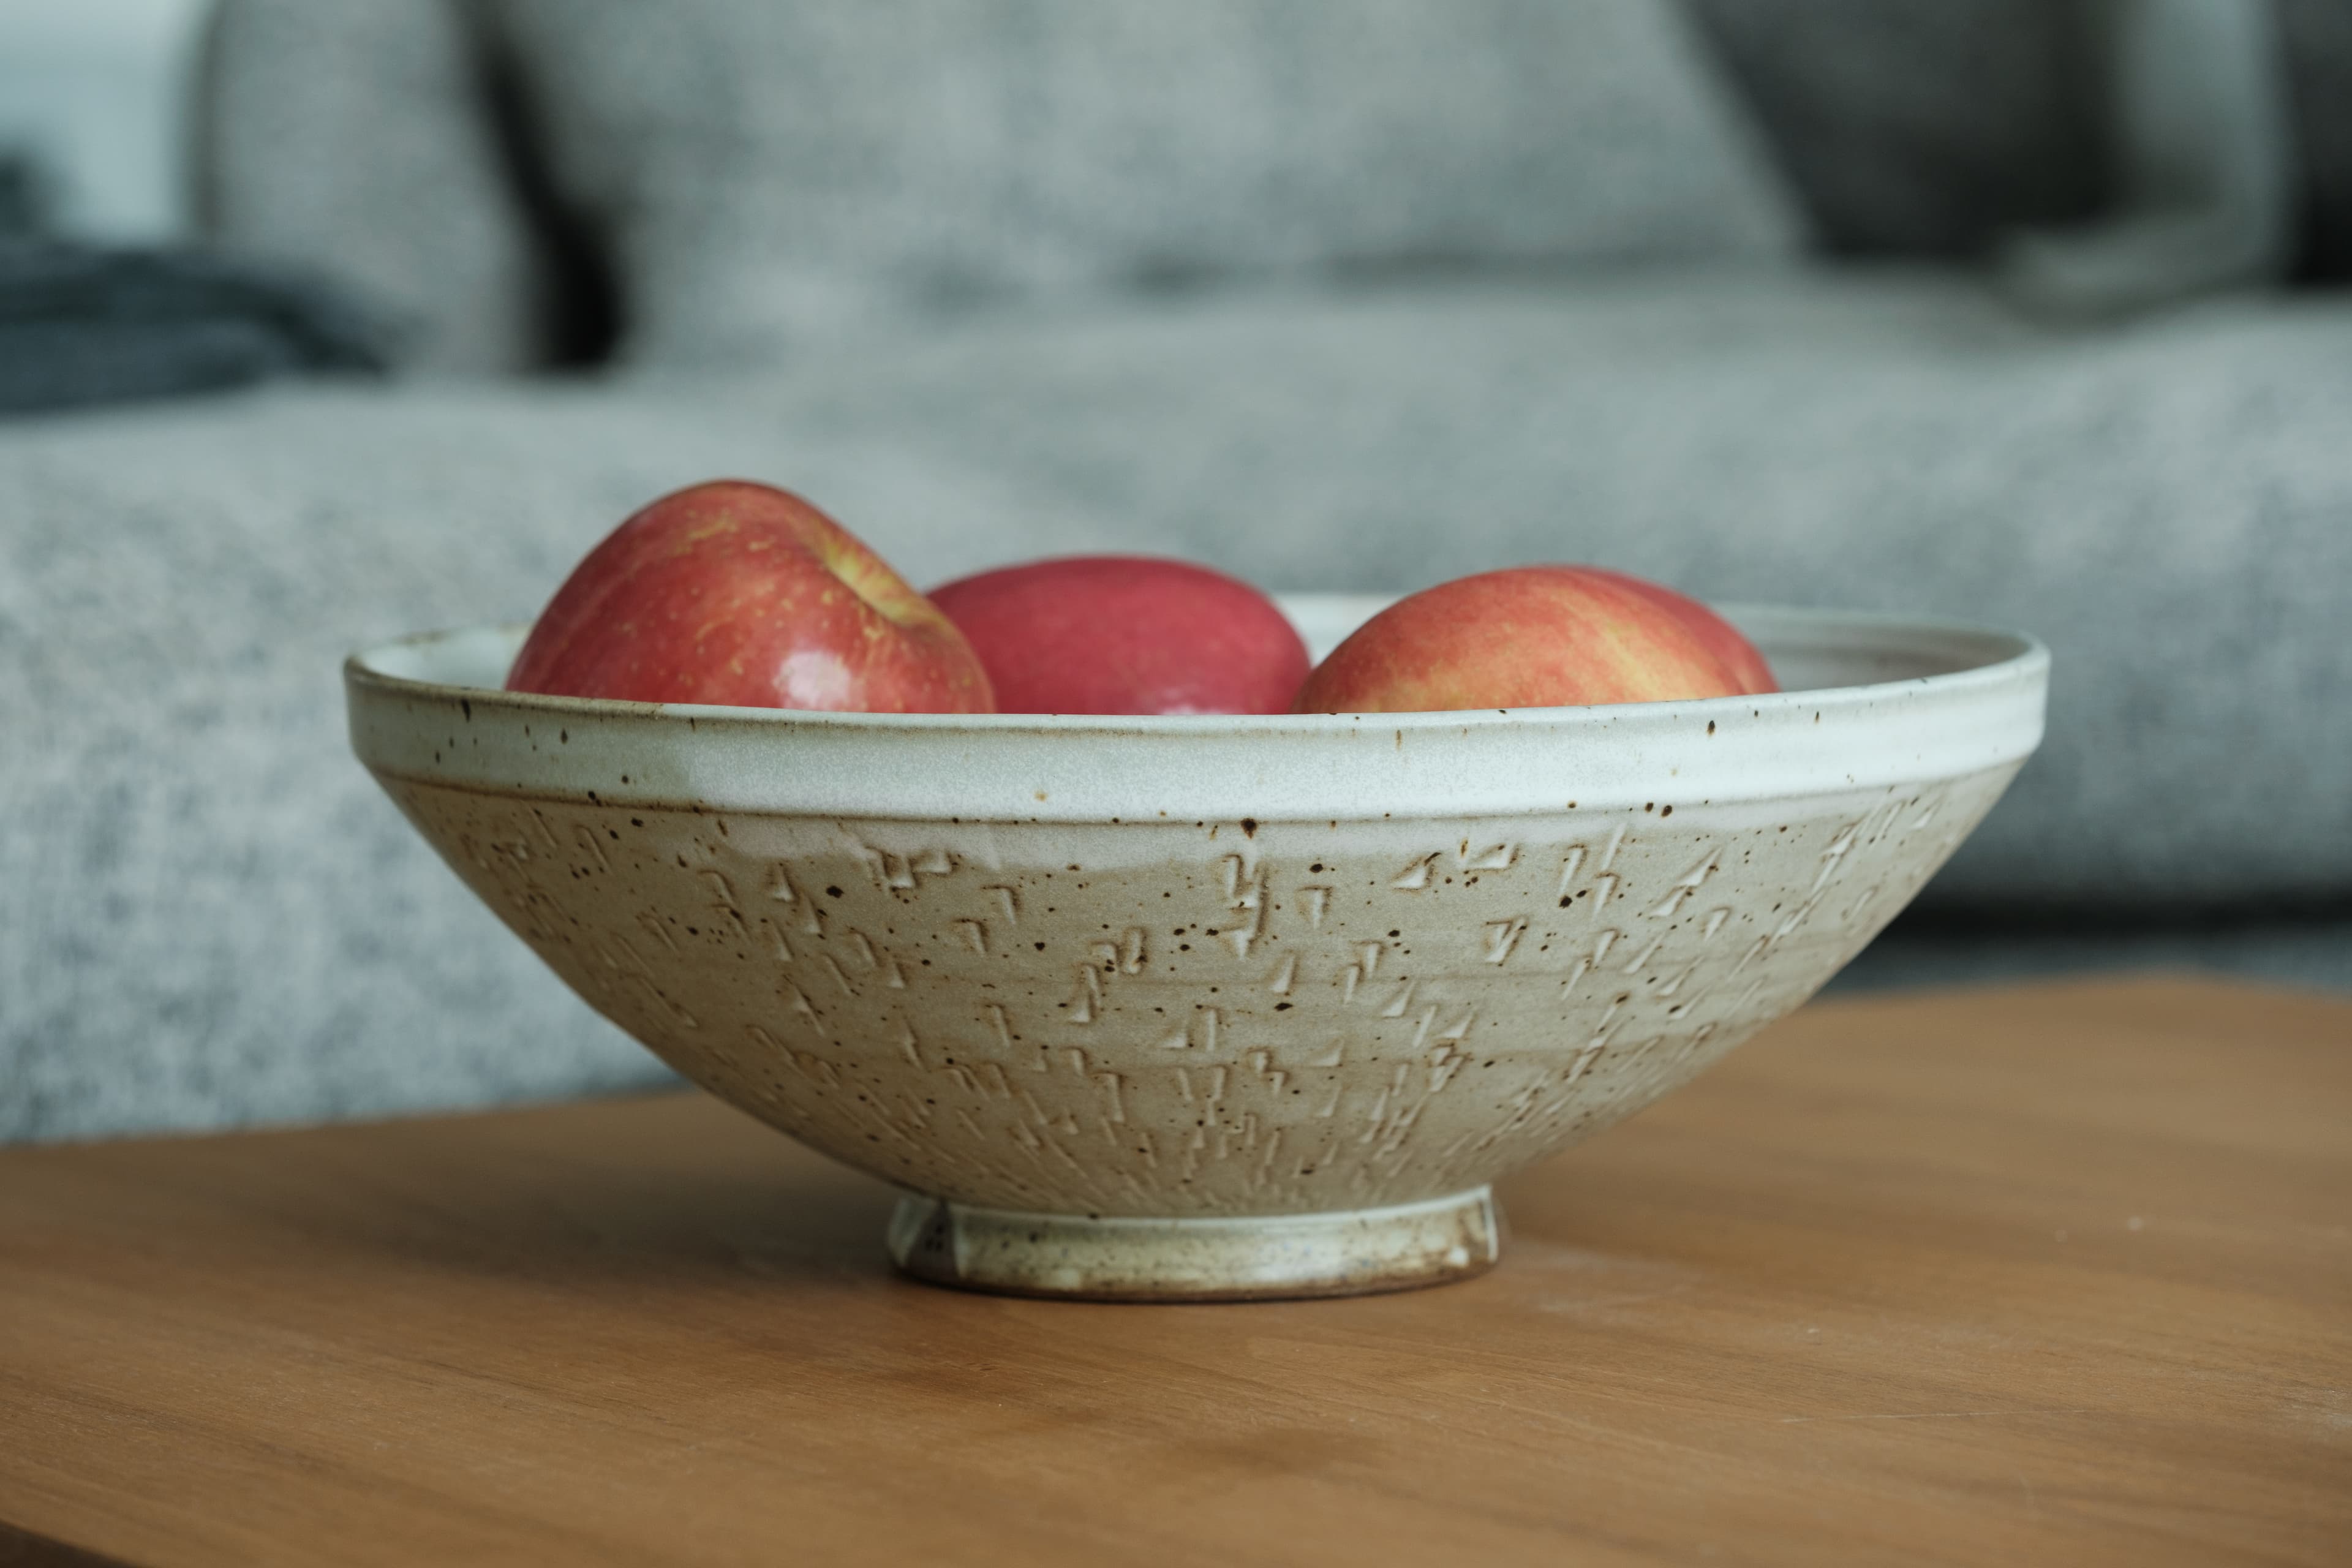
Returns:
(768,172)
(764,172)
(738,172)
(357,138)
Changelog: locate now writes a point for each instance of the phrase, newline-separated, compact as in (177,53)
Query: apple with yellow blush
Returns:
(742,594)
(1534,636)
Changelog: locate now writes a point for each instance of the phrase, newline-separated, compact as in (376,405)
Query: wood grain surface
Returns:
(2054,1274)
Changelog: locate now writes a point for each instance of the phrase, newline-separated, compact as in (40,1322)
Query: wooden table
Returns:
(2059,1274)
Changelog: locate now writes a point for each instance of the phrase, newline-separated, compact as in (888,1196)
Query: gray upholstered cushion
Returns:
(2201,144)
(208,915)
(2317,35)
(1921,126)
(1938,128)
(769,173)
(355,138)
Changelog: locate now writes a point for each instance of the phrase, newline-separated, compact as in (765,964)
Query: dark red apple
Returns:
(1532,637)
(1126,634)
(741,593)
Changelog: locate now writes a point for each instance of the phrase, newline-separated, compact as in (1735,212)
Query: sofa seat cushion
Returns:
(211,915)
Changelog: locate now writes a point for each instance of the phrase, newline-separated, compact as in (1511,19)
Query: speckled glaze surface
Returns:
(1189,1008)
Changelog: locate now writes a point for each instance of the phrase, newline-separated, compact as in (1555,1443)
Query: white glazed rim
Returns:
(1980,707)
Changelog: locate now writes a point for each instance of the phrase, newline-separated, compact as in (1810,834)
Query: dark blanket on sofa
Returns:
(83,325)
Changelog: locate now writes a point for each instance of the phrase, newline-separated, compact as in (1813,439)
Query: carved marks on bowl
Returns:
(1194,1019)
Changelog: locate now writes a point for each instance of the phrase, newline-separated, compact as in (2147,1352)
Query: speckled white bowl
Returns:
(1202,1008)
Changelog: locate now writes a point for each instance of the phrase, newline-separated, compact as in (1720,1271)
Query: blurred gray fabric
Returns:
(772,174)
(2316,39)
(1329,295)
(2203,177)
(82,325)
(2123,154)
(1921,129)
(356,138)
(212,917)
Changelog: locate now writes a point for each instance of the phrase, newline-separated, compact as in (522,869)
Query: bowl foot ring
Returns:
(1247,1257)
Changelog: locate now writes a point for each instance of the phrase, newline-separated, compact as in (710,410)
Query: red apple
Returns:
(1738,653)
(1533,636)
(1126,634)
(744,595)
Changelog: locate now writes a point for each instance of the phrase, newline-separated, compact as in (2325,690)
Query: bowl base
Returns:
(1248,1257)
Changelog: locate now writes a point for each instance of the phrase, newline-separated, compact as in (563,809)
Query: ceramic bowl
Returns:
(1203,1007)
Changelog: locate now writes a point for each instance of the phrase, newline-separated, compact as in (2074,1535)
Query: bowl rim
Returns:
(2021,655)
(1982,710)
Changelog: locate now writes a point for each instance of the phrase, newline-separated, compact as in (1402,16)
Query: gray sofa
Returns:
(1348,297)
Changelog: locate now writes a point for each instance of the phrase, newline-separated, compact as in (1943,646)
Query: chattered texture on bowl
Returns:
(1196,1018)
